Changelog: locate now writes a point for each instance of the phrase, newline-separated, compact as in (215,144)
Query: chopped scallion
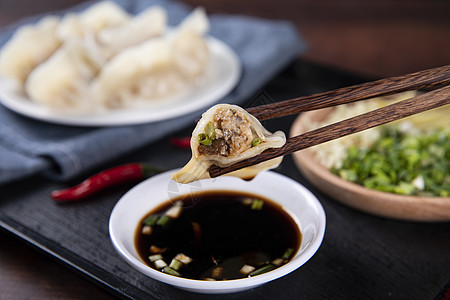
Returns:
(204,139)
(175,211)
(217,272)
(210,131)
(171,271)
(157,250)
(150,220)
(256,142)
(246,269)
(159,264)
(257,204)
(183,258)
(262,270)
(163,220)
(247,201)
(277,262)
(176,264)
(147,230)
(401,161)
(287,254)
(155,257)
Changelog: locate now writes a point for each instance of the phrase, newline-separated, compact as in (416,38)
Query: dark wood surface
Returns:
(376,38)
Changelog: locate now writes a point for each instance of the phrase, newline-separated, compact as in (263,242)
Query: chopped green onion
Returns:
(256,142)
(163,220)
(262,270)
(155,257)
(150,220)
(278,262)
(401,162)
(246,269)
(287,254)
(156,250)
(247,201)
(176,264)
(204,139)
(183,258)
(217,272)
(210,131)
(147,230)
(159,264)
(404,188)
(257,204)
(175,211)
(171,271)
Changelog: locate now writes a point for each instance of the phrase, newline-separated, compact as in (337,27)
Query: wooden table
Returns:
(373,38)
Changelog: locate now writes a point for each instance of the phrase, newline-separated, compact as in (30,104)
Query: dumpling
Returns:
(151,23)
(138,73)
(91,21)
(63,81)
(225,135)
(28,47)
(157,68)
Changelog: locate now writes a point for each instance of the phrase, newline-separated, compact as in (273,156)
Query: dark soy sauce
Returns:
(220,229)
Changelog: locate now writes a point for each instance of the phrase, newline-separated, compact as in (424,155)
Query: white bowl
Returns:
(302,205)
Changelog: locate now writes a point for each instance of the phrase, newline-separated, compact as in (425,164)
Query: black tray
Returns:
(361,257)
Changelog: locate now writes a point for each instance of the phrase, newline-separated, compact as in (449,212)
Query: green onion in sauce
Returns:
(218,235)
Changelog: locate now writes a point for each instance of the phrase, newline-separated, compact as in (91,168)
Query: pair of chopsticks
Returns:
(437,80)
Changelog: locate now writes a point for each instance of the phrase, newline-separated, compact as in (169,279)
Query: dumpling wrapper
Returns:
(97,17)
(151,23)
(63,81)
(159,68)
(239,128)
(28,47)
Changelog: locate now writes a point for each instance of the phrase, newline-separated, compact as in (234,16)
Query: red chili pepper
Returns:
(103,180)
(181,142)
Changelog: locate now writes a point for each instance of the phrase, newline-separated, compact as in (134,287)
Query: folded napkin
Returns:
(29,147)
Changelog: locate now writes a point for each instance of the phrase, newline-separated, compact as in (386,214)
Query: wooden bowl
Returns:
(410,208)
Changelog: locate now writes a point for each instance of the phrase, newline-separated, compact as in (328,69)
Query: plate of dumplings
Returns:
(104,67)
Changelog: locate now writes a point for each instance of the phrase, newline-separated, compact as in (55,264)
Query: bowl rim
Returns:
(227,285)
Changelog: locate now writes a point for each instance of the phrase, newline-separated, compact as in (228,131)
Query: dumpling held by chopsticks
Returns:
(225,135)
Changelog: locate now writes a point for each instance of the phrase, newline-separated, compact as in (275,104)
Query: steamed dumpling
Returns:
(150,23)
(191,53)
(103,58)
(225,135)
(63,81)
(28,47)
(157,68)
(142,72)
(91,21)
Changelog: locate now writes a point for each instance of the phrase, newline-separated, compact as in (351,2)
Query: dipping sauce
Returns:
(217,235)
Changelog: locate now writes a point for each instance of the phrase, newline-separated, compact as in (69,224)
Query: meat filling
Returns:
(232,134)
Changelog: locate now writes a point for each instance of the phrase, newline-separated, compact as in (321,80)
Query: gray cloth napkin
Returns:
(29,147)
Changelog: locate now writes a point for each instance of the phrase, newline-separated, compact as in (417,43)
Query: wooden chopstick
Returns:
(427,79)
(389,113)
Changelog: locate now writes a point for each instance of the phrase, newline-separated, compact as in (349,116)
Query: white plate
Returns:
(223,73)
(300,203)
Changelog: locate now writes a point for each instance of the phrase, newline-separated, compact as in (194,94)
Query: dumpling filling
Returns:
(232,134)
(225,135)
